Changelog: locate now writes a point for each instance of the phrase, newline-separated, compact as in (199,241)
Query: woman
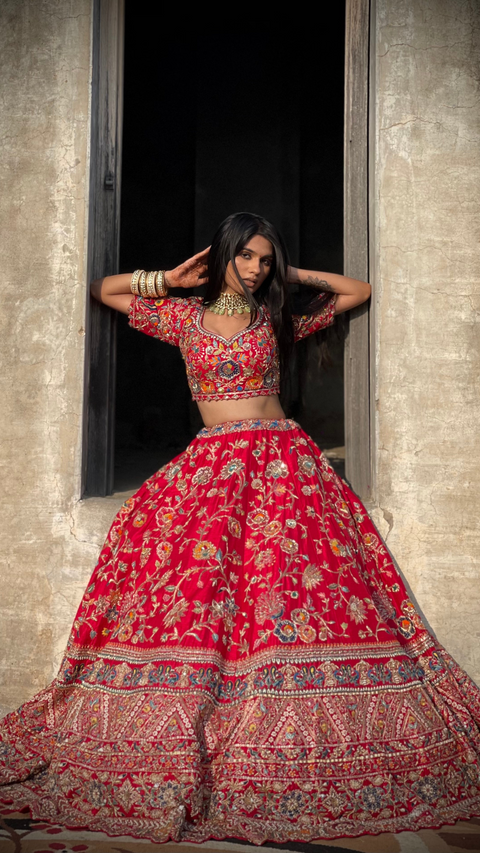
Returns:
(245,661)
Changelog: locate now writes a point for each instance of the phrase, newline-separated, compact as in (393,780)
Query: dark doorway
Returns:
(212,126)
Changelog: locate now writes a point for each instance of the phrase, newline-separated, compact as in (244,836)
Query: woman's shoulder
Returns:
(189,303)
(178,304)
(166,318)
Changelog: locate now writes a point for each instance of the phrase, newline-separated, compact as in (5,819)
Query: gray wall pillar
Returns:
(427,301)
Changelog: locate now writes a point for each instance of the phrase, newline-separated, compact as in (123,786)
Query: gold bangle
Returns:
(151,284)
(142,284)
(161,286)
(134,282)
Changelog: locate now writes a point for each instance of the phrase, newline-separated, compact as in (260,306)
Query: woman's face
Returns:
(254,263)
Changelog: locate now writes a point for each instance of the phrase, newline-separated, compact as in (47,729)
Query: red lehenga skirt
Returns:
(246,662)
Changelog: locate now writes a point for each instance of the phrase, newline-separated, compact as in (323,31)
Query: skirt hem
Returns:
(199,837)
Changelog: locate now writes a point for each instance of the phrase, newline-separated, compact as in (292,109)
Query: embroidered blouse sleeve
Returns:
(160,318)
(307,324)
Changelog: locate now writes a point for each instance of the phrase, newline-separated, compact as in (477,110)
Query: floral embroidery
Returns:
(202,476)
(276,469)
(286,631)
(246,365)
(203,550)
(311,577)
(247,663)
(300,616)
(306,633)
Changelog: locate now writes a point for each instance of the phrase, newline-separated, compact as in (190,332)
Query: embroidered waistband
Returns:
(280,425)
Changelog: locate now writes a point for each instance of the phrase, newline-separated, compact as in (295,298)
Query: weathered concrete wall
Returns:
(427,203)
(45,56)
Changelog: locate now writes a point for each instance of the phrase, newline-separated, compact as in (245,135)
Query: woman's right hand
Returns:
(191,273)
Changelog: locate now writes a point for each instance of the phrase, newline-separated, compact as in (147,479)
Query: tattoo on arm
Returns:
(319,284)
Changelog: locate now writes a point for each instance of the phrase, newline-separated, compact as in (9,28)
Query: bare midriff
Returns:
(254,408)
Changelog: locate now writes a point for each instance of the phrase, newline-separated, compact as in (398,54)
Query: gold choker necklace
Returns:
(230,303)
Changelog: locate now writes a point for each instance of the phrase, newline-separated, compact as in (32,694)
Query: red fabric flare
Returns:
(246,662)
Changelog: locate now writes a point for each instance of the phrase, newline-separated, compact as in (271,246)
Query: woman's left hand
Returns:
(191,273)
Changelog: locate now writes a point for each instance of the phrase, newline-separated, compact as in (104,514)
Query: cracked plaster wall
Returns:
(427,271)
(49,540)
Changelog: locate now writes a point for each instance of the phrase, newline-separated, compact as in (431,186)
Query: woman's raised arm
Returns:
(351,292)
(114,290)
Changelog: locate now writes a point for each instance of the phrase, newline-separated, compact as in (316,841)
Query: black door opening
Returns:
(212,126)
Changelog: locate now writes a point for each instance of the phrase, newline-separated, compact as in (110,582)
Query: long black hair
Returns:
(231,237)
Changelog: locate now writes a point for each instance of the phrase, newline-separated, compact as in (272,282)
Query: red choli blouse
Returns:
(245,365)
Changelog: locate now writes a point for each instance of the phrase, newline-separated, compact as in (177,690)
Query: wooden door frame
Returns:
(358,240)
(104,229)
(103,244)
